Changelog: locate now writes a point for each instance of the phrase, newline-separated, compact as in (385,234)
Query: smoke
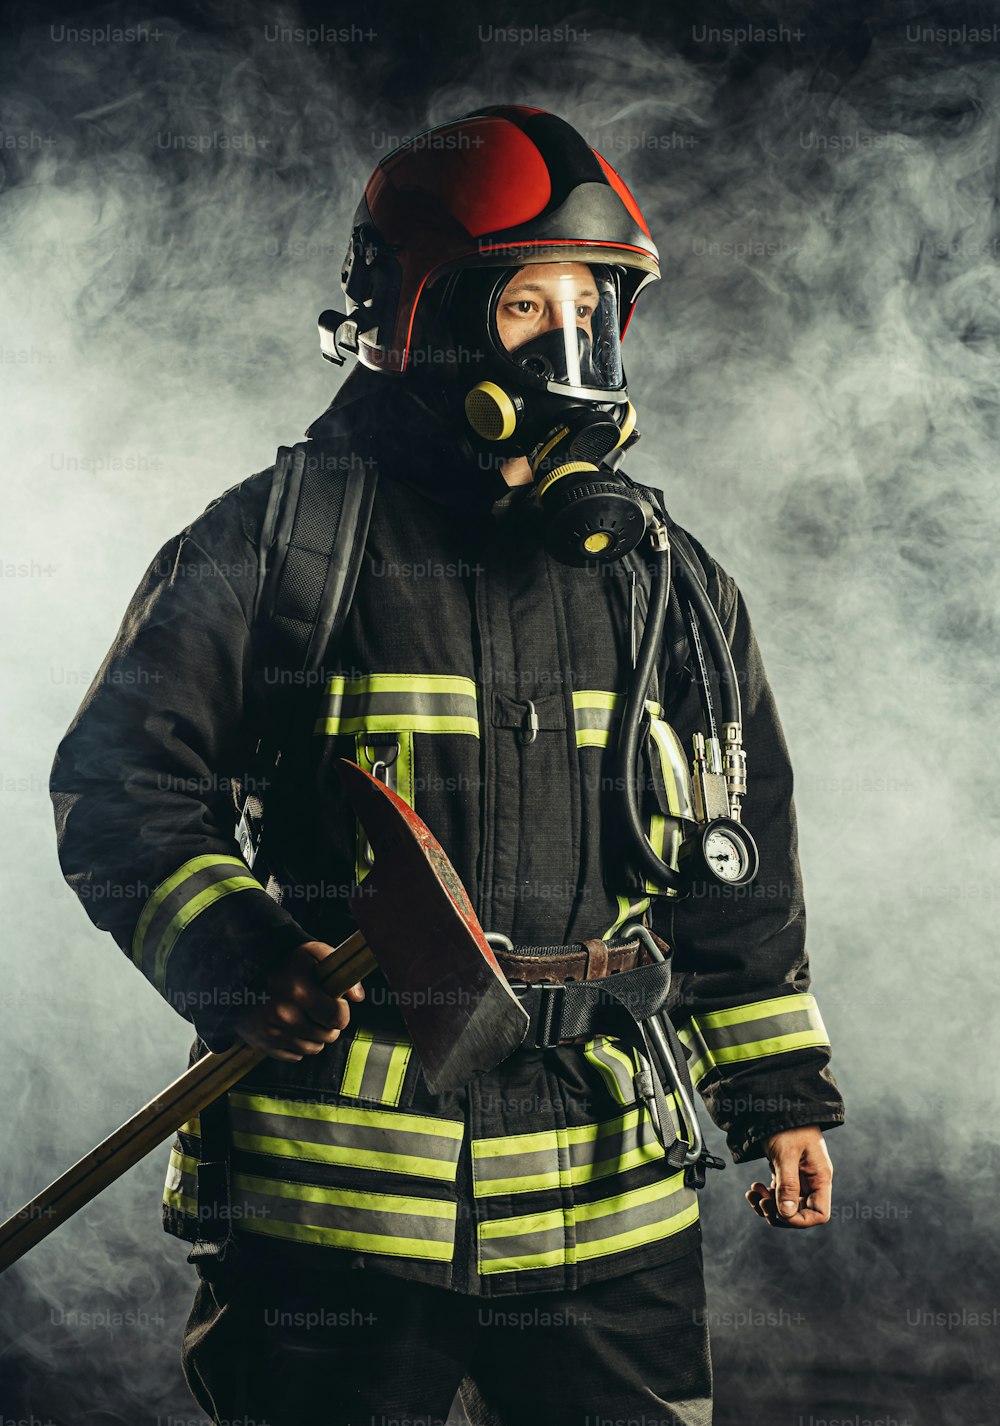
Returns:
(816,381)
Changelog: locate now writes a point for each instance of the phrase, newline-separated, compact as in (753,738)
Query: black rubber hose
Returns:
(652,866)
(714,635)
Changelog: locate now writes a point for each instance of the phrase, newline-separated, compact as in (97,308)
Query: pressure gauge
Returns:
(725,851)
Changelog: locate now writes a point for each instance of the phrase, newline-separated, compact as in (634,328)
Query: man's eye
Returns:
(523,307)
(584,313)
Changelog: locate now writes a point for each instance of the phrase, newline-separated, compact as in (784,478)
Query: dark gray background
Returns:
(816,380)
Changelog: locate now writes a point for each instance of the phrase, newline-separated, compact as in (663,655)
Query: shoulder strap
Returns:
(310,552)
(311,547)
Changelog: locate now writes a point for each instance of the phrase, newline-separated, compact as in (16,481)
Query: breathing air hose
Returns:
(701,614)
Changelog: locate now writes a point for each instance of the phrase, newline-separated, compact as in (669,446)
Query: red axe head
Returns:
(417,918)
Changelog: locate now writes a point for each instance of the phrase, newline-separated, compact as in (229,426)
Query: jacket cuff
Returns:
(207,938)
(751,1145)
(228,985)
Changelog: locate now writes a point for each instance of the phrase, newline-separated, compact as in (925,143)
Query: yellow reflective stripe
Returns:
(676,777)
(627,910)
(389,1223)
(166,887)
(596,732)
(605,1046)
(701,1061)
(503,1145)
(347,1197)
(173,1194)
(515,1144)
(399,723)
(357,1058)
(600,698)
(555,1258)
(402,683)
(779,1005)
(194,908)
(522,1183)
(776,1045)
(711,1051)
(523,1223)
(559,1145)
(657,827)
(634,1238)
(632,1198)
(585,1246)
(365,704)
(398,1061)
(593,737)
(309,1150)
(612,1049)
(596,698)
(344,1114)
(360,1242)
(574,1176)
(187,1163)
(398,777)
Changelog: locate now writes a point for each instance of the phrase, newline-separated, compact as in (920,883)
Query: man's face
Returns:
(543,296)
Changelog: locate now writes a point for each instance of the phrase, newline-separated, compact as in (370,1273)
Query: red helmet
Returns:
(504,186)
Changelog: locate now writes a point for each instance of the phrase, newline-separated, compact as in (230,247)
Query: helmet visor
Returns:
(557,324)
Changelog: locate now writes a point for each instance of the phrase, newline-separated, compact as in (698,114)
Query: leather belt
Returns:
(543,976)
(584,960)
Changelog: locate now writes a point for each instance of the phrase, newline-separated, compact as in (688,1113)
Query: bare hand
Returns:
(801,1180)
(298,1017)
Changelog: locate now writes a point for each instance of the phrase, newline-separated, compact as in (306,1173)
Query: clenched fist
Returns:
(798,1195)
(298,1017)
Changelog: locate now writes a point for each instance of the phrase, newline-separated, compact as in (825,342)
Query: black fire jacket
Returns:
(545,1173)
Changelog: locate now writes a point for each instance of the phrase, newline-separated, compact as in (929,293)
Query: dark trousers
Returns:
(366,1349)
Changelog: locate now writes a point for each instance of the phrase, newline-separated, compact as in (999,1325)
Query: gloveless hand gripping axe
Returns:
(417,924)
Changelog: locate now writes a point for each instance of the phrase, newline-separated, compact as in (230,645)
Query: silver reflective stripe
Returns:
(560,1158)
(416,1144)
(585,1231)
(400,702)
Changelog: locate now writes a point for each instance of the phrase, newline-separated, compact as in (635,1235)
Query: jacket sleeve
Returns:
(142,783)
(758,1048)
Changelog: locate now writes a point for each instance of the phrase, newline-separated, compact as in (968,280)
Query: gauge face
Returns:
(725,857)
(729,851)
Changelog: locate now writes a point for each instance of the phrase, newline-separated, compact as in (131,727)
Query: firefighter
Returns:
(532,1239)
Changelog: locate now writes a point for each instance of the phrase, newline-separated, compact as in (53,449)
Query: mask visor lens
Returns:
(558,324)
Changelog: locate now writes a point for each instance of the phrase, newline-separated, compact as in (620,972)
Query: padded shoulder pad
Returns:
(312,541)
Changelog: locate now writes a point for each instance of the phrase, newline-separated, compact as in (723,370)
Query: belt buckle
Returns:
(543,1017)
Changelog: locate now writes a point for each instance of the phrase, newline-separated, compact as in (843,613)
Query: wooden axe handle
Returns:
(157,1120)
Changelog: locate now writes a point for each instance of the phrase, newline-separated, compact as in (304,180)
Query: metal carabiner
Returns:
(529,730)
(384,763)
(379,765)
(657,1033)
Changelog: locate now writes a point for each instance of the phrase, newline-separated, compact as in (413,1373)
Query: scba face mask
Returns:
(539,374)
